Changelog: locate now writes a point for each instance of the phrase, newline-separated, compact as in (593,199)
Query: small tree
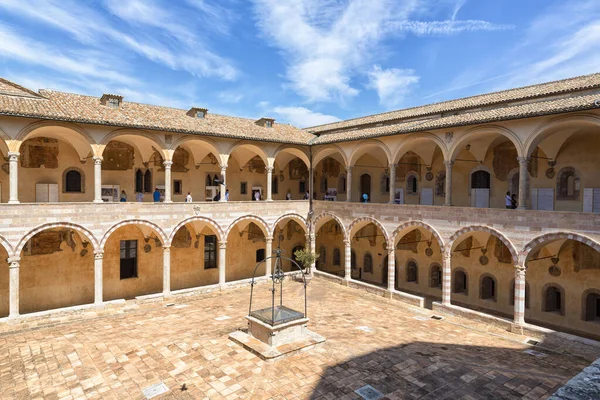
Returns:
(305,258)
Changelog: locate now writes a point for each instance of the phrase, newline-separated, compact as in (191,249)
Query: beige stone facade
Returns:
(450,240)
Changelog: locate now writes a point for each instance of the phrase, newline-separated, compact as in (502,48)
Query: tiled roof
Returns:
(562,105)
(528,92)
(50,104)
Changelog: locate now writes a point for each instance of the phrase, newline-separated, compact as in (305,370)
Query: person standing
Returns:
(188,198)
(514,201)
(226,194)
(306,196)
(288,196)
(365,198)
(123,196)
(218,196)
(156,195)
(257,195)
(508,201)
(139,197)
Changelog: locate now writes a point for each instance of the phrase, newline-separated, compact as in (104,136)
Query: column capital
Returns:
(166,248)
(13,262)
(168,164)
(390,249)
(98,255)
(223,167)
(222,245)
(347,242)
(392,166)
(523,160)
(269,169)
(98,160)
(449,163)
(269,238)
(520,271)
(13,155)
(349,169)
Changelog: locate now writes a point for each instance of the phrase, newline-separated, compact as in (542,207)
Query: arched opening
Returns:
(196,163)
(480,189)
(461,283)
(370,162)
(365,188)
(330,237)
(435,276)
(368,240)
(290,168)
(487,289)
(56,270)
(412,273)
(591,310)
(553,300)
(247,173)
(74,180)
(329,175)
(194,255)
(290,234)
(246,246)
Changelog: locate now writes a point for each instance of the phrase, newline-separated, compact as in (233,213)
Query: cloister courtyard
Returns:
(117,351)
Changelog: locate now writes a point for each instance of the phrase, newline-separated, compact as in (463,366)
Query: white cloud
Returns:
(303,117)
(392,85)
(457,6)
(449,27)
(230,97)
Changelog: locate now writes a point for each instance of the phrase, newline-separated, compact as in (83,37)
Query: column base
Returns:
(98,201)
(167,294)
(269,200)
(516,328)
(447,204)
(14,202)
(168,201)
(522,208)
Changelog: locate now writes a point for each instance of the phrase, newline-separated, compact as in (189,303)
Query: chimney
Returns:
(196,112)
(266,122)
(111,100)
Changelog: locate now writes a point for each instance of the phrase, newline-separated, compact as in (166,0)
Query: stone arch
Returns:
(252,218)
(540,133)
(358,223)
(215,227)
(328,150)
(363,147)
(329,215)
(292,216)
(296,151)
(539,241)
(417,224)
(4,141)
(114,135)
(252,146)
(8,247)
(194,143)
(83,143)
(68,225)
(474,228)
(510,135)
(410,140)
(162,236)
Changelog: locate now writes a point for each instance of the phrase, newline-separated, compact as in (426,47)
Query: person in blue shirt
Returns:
(365,198)
(156,195)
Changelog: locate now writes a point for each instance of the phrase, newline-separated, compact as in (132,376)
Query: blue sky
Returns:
(304,62)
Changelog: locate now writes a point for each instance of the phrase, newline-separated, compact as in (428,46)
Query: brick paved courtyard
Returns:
(399,350)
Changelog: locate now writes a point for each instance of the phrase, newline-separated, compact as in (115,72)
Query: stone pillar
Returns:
(311,242)
(519,313)
(269,183)
(222,262)
(392,182)
(98,276)
(98,179)
(168,182)
(348,260)
(13,166)
(446,279)
(223,183)
(166,271)
(269,253)
(13,286)
(391,268)
(349,184)
(449,165)
(523,178)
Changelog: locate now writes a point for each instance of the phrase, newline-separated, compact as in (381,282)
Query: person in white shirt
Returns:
(257,195)
(288,196)
(508,201)
(139,197)
(188,198)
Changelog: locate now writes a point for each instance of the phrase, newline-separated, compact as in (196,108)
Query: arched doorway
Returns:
(365,186)
(480,189)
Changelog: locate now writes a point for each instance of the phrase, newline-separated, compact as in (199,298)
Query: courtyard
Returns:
(118,351)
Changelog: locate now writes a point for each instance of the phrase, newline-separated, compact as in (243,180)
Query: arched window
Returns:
(553,299)
(139,181)
(148,182)
(435,276)
(460,281)
(384,183)
(368,263)
(411,271)
(342,184)
(412,183)
(322,256)
(568,184)
(591,311)
(336,257)
(73,181)
(511,300)
(487,291)
(480,180)
(208,181)
(353,259)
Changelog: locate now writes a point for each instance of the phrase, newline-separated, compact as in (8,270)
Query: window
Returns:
(568,184)
(322,256)
(411,272)
(210,251)
(480,180)
(260,255)
(302,187)
(352,259)
(243,187)
(269,124)
(177,187)
(148,182)
(412,184)
(384,183)
(275,186)
(208,181)
(592,307)
(435,276)
(336,257)
(128,262)
(73,182)
(200,114)
(368,263)
(113,102)
(460,282)
(139,181)
(553,299)
(488,288)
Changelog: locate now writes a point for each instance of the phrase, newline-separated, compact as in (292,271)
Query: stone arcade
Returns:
(436,231)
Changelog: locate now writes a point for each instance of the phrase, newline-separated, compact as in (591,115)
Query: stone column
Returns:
(519,313)
(349,184)
(391,268)
(449,165)
(98,179)
(269,253)
(168,182)
(223,183)
(166,271)
(348,260)
(222,262)
(13,286)
(523,178)
(392,182)
(446,279)
(311,242)
(269,183)
(98,276)
(13,166)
